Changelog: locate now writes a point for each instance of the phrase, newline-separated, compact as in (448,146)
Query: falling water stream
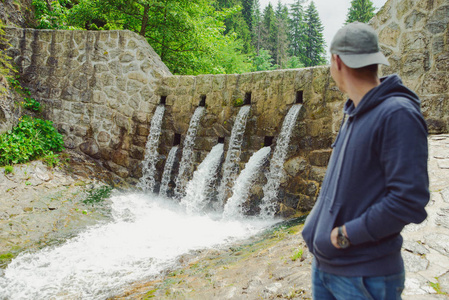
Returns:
(230,166)
(167,171)
(271,188)
(186,163)
(240,191)
(147,181)
(198,189)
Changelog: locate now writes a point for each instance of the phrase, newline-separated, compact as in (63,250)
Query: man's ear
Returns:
(338,61)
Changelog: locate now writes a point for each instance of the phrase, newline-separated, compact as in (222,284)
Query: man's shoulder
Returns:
(395,103)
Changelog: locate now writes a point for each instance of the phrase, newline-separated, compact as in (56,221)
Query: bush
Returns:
(30,139)
(31,104)
(9,170)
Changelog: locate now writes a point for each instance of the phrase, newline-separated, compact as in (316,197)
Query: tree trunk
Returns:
(143,28)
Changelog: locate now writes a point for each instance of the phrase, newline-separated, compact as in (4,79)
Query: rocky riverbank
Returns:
(41,206)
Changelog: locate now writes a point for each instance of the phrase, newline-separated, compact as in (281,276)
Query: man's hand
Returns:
(334,234)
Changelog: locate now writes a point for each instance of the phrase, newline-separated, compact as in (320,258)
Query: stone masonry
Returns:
(414,35)
(95,86)
(101,89)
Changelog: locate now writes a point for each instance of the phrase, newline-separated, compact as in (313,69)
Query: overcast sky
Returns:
(332,13)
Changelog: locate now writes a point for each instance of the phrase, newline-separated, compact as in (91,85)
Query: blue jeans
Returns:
(327,286)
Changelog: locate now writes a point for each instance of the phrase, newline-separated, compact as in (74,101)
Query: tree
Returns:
(247,12)
(269,30)
(189,36)
(293,62)
(281,34)
(256,32)
(361,11)
(263,61)
(236,21)
(314,46)
(297,29)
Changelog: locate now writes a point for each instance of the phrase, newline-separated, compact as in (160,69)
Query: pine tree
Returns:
(281,34)
(297,30)
(269,30)
(314,46)
(361,11)
(247,12)
(256,32)
(236,22)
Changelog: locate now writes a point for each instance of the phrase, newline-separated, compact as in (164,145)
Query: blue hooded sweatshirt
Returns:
(376,183)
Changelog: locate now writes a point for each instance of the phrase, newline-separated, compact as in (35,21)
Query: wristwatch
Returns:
(342,240)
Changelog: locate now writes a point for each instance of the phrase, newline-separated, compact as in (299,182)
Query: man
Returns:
(376,181)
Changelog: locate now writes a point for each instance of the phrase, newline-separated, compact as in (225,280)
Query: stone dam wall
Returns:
(101,90)
(414,35)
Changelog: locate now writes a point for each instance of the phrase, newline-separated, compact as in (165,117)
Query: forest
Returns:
(208,36)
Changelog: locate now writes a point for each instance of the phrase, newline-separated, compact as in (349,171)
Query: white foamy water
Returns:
(197,191)
(240,191)
(230,166)
(271,188)
(147,181)
(146,236)
(167,171)
(185,166)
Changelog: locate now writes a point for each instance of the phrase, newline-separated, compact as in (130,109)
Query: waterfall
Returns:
(147,181)
(144,239)
(240,191)
(198,189)
(271,188)
(167,171)
(230,166)
(186,163)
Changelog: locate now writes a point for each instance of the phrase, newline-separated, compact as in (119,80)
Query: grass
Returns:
(436,286)
(297,255)
(98,195)
(9,169)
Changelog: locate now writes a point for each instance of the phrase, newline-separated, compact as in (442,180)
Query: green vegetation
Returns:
(28,102)
(98,195)
(361,11)
(150,294)
(5,65)
(297,255)
(9,170)
(32,138)
(436,286)
(31,104)
(5,259)
(237,102)
(201,36)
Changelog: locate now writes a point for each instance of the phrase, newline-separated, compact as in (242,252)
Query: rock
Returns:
(444,164)
(445,195)
(414,263)
(444,283)
(90,148)
(416,285)
(443,218)
(42,174)
(320,158)
(295,165)
(439,242)
(415,247)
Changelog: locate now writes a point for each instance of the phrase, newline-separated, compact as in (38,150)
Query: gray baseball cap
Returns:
(358,46)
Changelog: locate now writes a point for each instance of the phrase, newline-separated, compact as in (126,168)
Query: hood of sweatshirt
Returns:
(390,86)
